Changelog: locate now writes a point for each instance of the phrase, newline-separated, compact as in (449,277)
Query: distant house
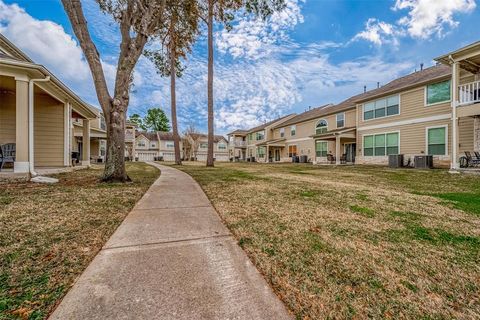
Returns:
(37,113)
(196,147)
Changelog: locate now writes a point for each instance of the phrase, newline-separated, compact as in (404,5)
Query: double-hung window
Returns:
(222,146)
(293,130)
(169,144)
(381,144)
(321,148)
(340,120)
(381,108)
(437,141)
(203,145)
(438,92)
(260,152)
(260,135)
(282,132)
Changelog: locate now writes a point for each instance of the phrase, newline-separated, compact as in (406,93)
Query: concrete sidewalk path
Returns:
(171,258)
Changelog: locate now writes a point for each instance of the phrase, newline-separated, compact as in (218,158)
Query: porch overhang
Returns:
(468,57)
(280,143)
(334,134)
(54,87)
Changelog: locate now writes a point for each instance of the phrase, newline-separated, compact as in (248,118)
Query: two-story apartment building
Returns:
(323,134)
(237,145)
(430,112)
(166,146)
(196,146)
(36,114)
(260,140)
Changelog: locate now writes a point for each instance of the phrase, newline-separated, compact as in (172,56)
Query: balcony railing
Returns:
(239,144)
(469,93)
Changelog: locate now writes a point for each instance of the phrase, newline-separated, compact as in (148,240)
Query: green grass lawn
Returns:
(49,234)
(356,241)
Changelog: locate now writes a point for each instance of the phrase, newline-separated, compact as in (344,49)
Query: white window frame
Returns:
(282,132)
(169,144)
(221,144)
(316,124)
(386,116)
(323,141)
(425,94)
(378,133)
(446,139)
(203,143)
(293,129)
(336,118)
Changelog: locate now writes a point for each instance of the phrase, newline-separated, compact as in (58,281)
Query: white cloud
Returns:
(47,43)
(44,41)
(430,17)
(253,37)
(425,18)
(378,32)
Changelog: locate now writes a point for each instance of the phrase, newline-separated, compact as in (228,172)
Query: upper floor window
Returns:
(322,127)
(438,92)
(222,146)
(381,108)
(153,145)
(203,145)
(282,132)
(260,135)
(169,144)
(340,120)
(293,130)
(141,143)
(103,125)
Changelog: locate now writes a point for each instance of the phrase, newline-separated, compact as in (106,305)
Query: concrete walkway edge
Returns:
(171,258)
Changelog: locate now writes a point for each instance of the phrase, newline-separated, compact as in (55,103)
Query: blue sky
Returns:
(313,53)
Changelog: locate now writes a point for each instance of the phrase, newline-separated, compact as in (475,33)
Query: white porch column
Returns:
(337,150)
(267,155)
(67,134)
(455,101)
(21,127)
(86,143)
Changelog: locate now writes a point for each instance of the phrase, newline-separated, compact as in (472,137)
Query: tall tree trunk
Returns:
(173,98)
(115,158)
(210,85)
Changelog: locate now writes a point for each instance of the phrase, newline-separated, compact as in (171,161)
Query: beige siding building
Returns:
(37,112)
(196,146)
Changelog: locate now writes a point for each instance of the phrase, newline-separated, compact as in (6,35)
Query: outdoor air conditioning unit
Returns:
(395,160)
(423,162)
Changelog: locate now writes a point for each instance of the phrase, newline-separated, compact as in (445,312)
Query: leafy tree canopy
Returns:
(156,120)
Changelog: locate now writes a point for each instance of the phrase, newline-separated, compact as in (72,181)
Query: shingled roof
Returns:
(216,138)
(152,136)
(263,126)
(415,79)
(238,131)
(163,135)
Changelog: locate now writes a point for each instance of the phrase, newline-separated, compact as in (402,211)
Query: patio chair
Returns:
(331,158)
(7,154)
(471,161)
(343,158)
